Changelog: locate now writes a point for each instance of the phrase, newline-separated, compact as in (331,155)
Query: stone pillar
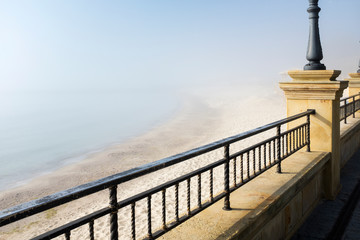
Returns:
(354,83)
(319,90)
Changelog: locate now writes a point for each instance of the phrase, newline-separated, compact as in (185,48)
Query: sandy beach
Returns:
(205,116)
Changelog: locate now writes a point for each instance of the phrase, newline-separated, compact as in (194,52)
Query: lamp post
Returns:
(358,71)
(314,51)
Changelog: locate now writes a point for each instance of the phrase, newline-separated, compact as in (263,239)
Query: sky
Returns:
(86,45)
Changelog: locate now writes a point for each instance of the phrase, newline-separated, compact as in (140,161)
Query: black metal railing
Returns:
(239,167)
(348,106)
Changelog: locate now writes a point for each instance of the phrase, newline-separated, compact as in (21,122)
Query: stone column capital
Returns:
(320,90)
(314,84)
(354,80)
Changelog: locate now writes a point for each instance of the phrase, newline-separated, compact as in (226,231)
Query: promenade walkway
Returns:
(338,219)
(352,230)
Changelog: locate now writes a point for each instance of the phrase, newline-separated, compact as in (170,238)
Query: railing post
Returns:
(67,235)
(226,178)
(149,235)
(114,235)
(308,132)
(278,132)
(91,230)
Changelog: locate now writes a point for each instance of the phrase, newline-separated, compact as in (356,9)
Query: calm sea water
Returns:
(40,132)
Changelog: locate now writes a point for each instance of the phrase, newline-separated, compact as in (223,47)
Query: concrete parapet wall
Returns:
(349,139)
(272,206)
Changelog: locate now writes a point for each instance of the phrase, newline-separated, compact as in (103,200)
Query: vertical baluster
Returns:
(114,235)
(226,178)
(345,110)
(265,155)
(164,208)
(286,144)
(254,161)
(353,106)
(297,138)
(278,149)
(282,147)
(177,202)
(199,190)
(294,139)
(133,228)
(259,158)
(274,150)
(302,136)
(188,196)
(308,132)
(269,154)
(242,168)
(211,185)
(91,230)
(248,165)
(67,235)
(290,142)
(234,172)
(149,217)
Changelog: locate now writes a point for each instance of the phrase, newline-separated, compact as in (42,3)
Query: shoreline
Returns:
(202,119)
(46,137)
(77,158)
(35,187)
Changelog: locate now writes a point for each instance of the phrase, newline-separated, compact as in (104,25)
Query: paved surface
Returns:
(352,230)
(337,219)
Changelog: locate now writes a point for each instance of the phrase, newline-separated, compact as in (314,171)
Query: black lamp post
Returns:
(314,51)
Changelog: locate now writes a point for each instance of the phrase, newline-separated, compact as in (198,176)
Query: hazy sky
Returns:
(86,45)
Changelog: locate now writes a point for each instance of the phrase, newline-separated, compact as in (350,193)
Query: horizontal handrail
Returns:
(346,98)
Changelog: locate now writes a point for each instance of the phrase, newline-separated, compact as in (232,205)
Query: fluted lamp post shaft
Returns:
(314,52)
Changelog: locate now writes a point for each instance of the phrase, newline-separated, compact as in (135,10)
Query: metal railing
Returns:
(348,106)
(245,164)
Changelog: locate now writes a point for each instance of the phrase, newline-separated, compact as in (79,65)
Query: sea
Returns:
(43,131)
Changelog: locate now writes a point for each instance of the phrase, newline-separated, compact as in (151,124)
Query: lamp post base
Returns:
(314,66)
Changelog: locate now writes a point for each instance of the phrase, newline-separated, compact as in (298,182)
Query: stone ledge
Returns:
(346,130)
(267,200)
(349,138)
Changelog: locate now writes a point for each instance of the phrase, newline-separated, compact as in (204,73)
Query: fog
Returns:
(116,45)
